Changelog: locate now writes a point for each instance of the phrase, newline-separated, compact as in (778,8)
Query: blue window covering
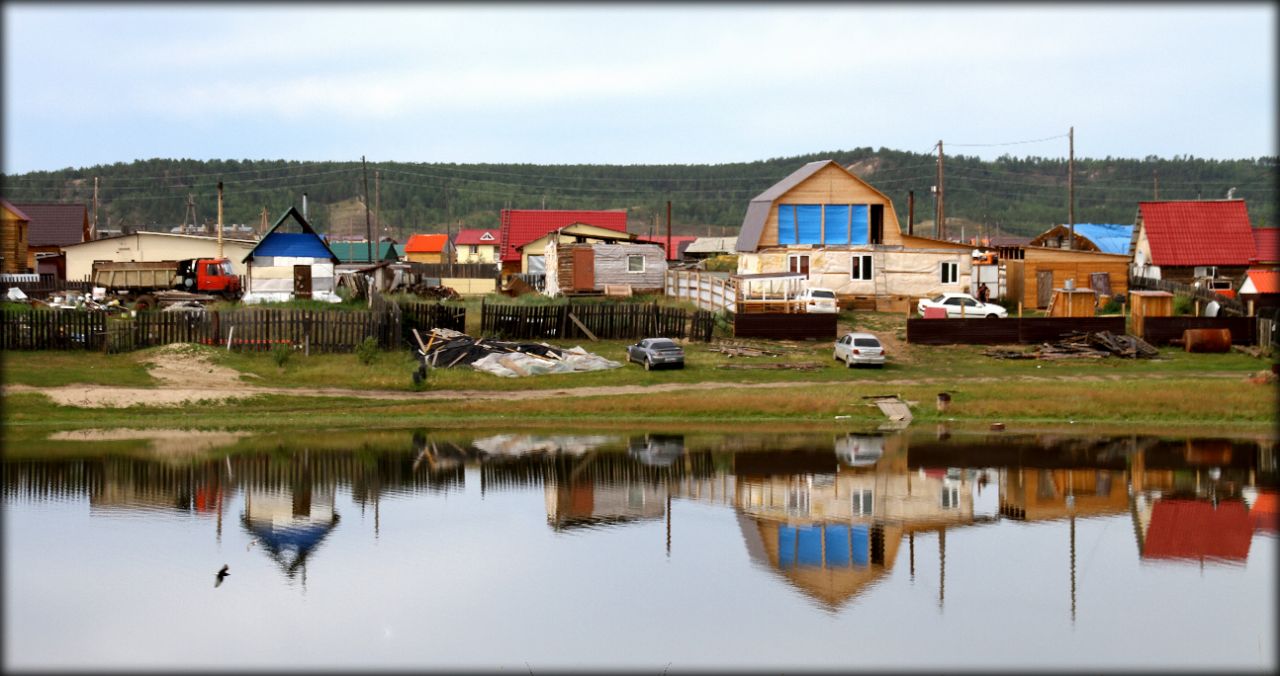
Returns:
(837,224)
(786,546)
(861,545)
(809,546)
(786,224)
(837,545)
(809,223)
(859,233)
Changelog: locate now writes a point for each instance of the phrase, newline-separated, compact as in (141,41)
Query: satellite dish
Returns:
(1211,310)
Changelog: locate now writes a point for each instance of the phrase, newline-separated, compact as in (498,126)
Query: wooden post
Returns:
(911,212)
(219,219)
(1071,187)
(1019,309)
(939,227)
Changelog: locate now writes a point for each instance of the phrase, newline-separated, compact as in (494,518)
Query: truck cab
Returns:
(207,275)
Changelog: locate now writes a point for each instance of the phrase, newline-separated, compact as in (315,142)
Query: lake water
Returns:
(659,552)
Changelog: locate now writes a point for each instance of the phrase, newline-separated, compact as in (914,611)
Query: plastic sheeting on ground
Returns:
(519,364)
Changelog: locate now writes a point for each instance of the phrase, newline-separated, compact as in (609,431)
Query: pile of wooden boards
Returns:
(742,350)
(445,348)
(1089,345)
(435,292)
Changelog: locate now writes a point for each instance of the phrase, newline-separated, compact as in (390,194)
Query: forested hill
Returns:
(1009,195)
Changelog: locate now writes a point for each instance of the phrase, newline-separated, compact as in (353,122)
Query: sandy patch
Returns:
(184,365)
(171,442)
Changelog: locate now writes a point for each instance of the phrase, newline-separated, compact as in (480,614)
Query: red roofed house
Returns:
(1188,240)
(476,246)
(522,226)
(428,249)
(678,244)
(1262,281)
(1195,530)
(13,238)
(53,226)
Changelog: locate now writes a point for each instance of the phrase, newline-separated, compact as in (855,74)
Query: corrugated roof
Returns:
(54,224)
(1198,529)
(426,244)
(468,237)
(712,245)
(1266,245)
(521,226)
(358,252)
(1261,281)
(1195,232)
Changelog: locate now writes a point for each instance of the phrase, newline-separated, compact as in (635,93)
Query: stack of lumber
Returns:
(1090,345)
(742,350)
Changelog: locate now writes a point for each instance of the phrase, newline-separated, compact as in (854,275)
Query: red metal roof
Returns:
(1264,281)
(521,226)
(1198,232)
(1266,245)
(1197,529)
(426,244)
(676,244)
(476,237)
(1263,511)
(54,224)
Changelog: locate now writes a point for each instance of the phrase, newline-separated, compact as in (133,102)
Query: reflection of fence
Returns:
(1229,305)
(605,321)
(1165,330)
(1001,331)
(716,293)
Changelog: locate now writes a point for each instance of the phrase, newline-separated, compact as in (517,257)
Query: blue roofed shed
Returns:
(291,261)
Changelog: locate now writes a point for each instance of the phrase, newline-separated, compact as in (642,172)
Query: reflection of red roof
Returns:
(1266,244)
(426,244)
(1263,512)
(1264,281)
(521,226)
(1197,232)
(1195,529)
(476,237)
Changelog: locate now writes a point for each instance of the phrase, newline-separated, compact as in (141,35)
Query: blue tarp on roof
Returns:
(1110,237)
(297,244)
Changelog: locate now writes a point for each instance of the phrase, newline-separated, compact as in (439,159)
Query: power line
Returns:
(1008,143)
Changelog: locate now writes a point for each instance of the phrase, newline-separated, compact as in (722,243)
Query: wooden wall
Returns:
(831,185)
(13,242)
(1066,264)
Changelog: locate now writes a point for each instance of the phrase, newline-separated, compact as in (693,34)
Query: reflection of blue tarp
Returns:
(837,224)
(809,223)
(861,545)
(809,546)
(786,224)
(837,545)
(786,546)
(858,230)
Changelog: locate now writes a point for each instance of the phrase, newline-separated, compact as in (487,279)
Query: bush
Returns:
(1114,305)
(367,350)
(724,263)
(1183,305)
(280,354)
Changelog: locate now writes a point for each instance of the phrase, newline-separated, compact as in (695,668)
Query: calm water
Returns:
(439,550)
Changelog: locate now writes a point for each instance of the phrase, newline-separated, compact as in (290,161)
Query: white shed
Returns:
(291,261)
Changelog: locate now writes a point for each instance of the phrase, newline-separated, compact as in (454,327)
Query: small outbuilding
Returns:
(292,261)
(591,266)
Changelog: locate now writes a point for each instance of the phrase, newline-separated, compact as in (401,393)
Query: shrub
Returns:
(1114,305)
(1183,305)
(280,354)
(724,263)
(367,350)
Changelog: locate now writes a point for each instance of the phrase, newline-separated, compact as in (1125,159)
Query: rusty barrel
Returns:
(1207,340)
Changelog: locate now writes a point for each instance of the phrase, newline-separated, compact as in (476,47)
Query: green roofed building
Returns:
(358,252)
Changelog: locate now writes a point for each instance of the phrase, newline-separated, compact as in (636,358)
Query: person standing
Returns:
(983,293)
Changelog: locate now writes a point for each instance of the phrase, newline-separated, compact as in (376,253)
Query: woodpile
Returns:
(1091,345)
(781,366)
(433,292)
(742,350)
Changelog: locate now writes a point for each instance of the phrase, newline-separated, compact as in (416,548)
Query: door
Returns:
(1044,287)
(877,223)
(584,269)
(1100,282)
(302,281)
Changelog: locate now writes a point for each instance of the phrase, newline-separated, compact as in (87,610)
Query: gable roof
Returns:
(712,245)
(521,226)
(55,224)
(426,244)
(477,237)
(14,210)
(1266,245)
(758,209)
(1198,232)
(358,252)
(1198,529)
(1260,280)
(305,244)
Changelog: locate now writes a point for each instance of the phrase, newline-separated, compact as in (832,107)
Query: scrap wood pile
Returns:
(742,350)
(423,290)
(445,348)
(67,300)
(1087,345)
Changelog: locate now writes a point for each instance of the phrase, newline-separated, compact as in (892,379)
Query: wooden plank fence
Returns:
(52,330)
(1231,306)
(709,291)
(785,325)
(1004,331)
(1166,330)
(604,321)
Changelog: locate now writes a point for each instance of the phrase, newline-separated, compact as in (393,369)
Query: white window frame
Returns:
(954,275)
(865,269)
(863,501)
(631,257)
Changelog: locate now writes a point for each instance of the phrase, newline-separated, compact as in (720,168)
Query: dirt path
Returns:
(177,365)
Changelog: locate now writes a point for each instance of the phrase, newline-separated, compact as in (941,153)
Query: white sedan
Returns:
(818,300)
(962,305)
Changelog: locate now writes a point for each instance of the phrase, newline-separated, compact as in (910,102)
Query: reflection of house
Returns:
(522,226)
(290,524)
(579,503)
(1034,494)
(291,261)
(1194,530)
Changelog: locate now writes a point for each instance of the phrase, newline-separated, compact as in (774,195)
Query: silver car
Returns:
(655,352)
(859,348)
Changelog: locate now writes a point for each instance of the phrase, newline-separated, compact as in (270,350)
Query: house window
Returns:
(950,497)
(950,272)
(635,263)
(798,263)
(861,267)
(863,501)
(474,250)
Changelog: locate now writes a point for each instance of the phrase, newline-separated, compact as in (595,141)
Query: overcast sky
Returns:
(631,84)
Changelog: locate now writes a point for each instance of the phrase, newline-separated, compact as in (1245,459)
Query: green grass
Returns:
(48,368)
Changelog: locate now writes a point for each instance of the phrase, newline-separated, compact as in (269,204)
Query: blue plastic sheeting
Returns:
(861,545)
(786,546)
(837,546)
(809,546)
(295,244)
(786,224)
(809,223)
(837,224)
(858,232)
(1109,237)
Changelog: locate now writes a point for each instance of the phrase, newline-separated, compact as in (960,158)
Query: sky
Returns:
(88,84)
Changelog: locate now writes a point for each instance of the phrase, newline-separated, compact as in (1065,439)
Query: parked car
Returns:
(859,348)
(962,305)
(655,352)
(818,300)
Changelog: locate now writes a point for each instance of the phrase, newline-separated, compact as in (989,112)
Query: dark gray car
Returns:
(656,352)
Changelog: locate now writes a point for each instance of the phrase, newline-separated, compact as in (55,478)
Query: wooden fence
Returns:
(604,321)
(785,326)
(1004,331)
(1166,330)
(52,330)
(1230,306)
(47,284)
(716,293)
(456,270)
(1267,335)
(427,316)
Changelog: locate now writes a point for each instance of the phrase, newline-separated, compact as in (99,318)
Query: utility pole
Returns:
(368,226)
(940,227)
(191,212)
(670,253)
(219,219)
(1155,173)
(911,212)
(377,202)
(1071,188)
(262,224)
(94,230)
